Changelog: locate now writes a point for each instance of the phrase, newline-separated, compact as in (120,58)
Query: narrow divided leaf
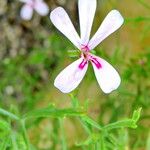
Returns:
(92,139)
(4,125)
(91,122)
(53,112)
(136,115)
(130,123)
(8,114)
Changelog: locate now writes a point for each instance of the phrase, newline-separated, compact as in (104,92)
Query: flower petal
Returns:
(26,12)
(86,15)
(61,20)
(41,7)
(111,23)
(70,77)
(107,77)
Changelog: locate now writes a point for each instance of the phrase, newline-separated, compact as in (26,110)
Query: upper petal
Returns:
(61,20)
(41,7)
(26,12)
(111,23)
(86,15)
(70,77)
(107,77)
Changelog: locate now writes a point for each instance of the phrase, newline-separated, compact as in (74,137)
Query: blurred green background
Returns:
(33,52)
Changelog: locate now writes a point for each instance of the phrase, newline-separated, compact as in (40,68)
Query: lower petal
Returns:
(107,77)
(71,76)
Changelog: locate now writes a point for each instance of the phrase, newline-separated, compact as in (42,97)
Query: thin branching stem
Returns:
(8,114)
(63,136)
(25,134)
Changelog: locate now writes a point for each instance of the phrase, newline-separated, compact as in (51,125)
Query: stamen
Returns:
(85,48)
(82,64)
(96,62)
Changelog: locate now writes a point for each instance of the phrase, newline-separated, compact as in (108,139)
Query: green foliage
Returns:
(53,112)
(17,139)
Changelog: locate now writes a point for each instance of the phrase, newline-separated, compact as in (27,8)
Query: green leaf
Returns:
(8,114)
(86,126)
(136,114)
(112,139)
(91,122)
(102,142)
(5,131)
(123,139)
(14,140)
(53,112)
(4,125)
(121,124)
(84,143)
(92,139)
(75,101)
(4,143)
(130,123)
(21,143)
(24,133)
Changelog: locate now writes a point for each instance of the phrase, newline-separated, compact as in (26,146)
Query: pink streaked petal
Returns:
(70,77)
(61,20)
(41,7)
(96,62)
(107,77)
(86,15)
(26,12)
(111,23)
(83,64)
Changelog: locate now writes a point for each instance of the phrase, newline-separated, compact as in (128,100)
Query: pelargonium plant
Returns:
(38,5)
(107,77)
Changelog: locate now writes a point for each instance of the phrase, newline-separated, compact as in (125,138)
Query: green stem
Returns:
(91,122)
(121,124)
(10,115)
(3,145)
(63,137)
(102,143)
(25,134)
(14,141)
(97,145)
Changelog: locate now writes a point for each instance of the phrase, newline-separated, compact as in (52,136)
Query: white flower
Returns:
(27,10)
(107,77)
